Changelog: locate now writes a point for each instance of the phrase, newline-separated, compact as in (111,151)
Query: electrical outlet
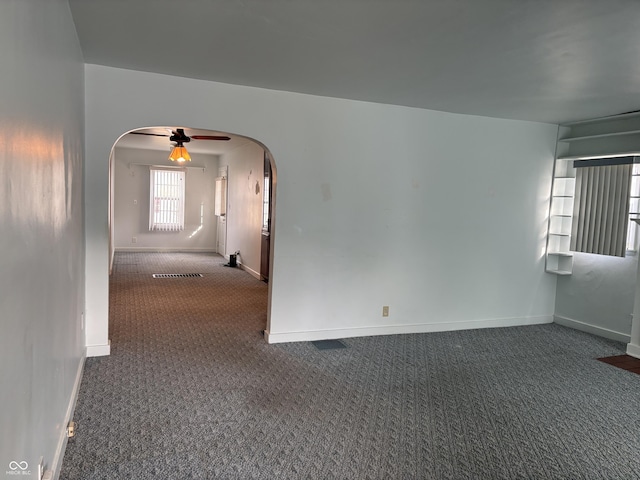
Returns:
(135,202)
(134,239)
(385,311)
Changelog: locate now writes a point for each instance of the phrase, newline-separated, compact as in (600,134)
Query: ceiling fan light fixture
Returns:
(179,154)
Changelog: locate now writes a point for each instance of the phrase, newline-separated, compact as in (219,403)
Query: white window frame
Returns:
(634,211)
(166,199)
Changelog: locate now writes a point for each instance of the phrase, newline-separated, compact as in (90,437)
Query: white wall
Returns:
(41,237)
(244,203)
(131,202)
(442,217)
(598,297)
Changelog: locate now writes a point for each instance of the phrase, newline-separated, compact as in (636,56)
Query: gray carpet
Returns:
(191,390)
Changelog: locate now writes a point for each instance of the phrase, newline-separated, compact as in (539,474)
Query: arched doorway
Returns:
(249,174)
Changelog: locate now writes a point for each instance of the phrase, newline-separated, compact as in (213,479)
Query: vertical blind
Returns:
(166,205)
(601,209)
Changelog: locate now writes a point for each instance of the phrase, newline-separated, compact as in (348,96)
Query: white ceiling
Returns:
(541,60)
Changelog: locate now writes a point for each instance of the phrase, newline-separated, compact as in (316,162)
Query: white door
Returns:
(222,235)
(220,210)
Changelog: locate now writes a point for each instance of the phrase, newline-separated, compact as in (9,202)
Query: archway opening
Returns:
(229,198)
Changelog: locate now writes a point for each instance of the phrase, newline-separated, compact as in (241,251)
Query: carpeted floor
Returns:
(191,390)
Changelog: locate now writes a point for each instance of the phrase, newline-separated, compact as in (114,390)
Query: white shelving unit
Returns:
(559,259)
(617,135)
(600,135)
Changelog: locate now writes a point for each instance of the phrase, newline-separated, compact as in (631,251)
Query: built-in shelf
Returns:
(561,272)
(599,135)
(608,118)
(559,260)
(627,153)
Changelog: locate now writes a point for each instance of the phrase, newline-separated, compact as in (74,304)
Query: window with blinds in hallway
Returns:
(166,212)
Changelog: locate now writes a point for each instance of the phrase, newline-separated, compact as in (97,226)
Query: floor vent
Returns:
(328,344)
(176,275)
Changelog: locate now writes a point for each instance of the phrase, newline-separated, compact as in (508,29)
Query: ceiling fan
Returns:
(178,135)
(179,152)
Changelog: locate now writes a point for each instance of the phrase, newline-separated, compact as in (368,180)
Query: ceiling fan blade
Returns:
(210,137)
(150,134)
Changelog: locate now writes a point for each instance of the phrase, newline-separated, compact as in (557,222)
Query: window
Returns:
(266,195)
(634,209)
(220,204)
(166,203)
(601,206)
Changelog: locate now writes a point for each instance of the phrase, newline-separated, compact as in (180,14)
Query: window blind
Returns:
(167,200)
(601,209)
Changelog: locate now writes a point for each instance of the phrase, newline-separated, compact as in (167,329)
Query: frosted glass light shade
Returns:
(179,154)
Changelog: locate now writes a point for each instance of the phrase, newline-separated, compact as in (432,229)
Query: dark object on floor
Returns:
(625,362)
(232,261)
(328,344)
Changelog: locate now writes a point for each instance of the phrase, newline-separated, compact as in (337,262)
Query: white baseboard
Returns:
(250,271)
(165,250)
(593,329)
(99,350)
(633,350)
(56,463)
(311,335)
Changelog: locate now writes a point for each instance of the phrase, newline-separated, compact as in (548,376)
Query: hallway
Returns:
(178,352)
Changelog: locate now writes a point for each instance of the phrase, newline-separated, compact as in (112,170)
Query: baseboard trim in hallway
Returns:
(329,334)
(593,329)
(56,463)
(99,350)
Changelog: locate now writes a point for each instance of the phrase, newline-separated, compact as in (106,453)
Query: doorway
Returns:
(220,210)
(267,202)
(215,221)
